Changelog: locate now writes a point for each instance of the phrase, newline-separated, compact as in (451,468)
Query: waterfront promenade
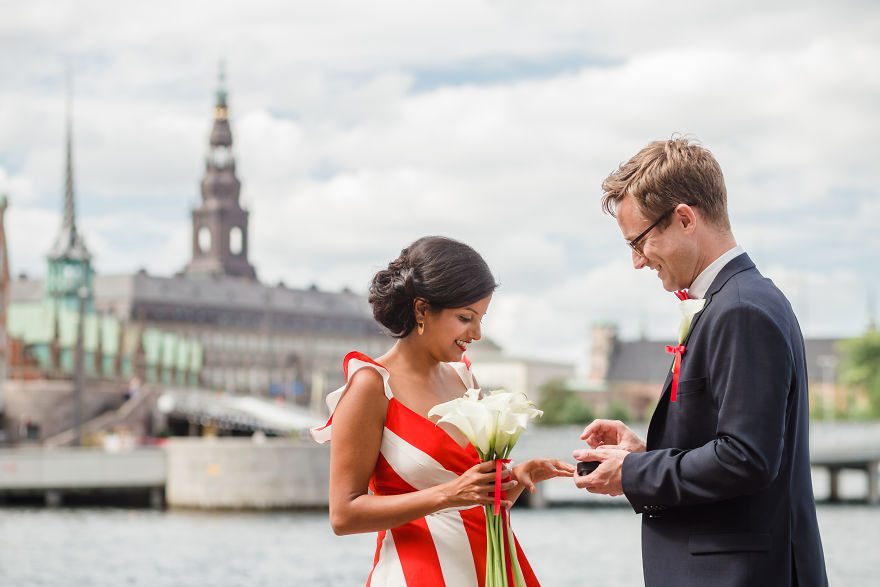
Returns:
(245,473)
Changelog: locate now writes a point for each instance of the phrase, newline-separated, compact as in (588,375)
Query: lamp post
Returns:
(82,293)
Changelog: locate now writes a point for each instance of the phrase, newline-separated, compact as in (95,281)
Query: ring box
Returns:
(586,467)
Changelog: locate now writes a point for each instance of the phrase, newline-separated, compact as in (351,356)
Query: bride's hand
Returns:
(476,486)
(534,471)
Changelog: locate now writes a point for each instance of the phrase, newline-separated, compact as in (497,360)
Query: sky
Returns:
(361,126)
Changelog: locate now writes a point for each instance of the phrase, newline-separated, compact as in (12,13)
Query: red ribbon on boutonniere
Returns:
(681,294)
(676,367)
(689,307)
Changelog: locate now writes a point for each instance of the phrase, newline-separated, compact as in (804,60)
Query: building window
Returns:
(204,239)
(236,240)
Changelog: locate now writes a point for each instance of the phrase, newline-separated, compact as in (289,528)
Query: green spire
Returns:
(221,84)
(69,260)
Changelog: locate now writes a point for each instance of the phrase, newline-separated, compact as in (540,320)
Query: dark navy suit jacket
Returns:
(725,484)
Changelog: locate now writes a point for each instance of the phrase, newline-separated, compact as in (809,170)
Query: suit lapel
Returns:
(736,265)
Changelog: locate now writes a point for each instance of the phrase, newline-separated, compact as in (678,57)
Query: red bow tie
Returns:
(682,294)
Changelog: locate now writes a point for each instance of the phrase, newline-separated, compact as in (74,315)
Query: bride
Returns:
(420,485)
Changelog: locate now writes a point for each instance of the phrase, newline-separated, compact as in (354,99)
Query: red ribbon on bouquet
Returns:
(498,494)
(676,367)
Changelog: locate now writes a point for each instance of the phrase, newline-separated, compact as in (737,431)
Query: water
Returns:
(566,546)
(576,545)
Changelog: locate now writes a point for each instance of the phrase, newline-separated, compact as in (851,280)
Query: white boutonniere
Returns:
(689,309)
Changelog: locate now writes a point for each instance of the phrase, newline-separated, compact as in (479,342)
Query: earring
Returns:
(421,328)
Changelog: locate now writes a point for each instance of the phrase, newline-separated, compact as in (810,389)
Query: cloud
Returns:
(361,127)
(30,233)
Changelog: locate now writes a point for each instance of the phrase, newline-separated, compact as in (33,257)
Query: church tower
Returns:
(70,271)
(220,225)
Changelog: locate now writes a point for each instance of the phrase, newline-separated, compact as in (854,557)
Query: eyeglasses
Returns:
(634,243)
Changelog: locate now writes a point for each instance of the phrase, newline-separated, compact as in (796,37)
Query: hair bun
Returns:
(445,272)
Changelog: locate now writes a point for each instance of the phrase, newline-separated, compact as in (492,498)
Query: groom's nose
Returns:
(638,260)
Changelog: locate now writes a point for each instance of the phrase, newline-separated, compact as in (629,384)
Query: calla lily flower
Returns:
(493,423)
(514,415)
(472,418)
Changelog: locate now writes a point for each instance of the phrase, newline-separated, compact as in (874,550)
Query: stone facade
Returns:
(254,338)
(230,473)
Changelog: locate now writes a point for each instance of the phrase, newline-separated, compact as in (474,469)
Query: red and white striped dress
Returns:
(447,548)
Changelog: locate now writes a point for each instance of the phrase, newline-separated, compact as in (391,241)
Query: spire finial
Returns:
(68,243)
(69,221)
(221,85)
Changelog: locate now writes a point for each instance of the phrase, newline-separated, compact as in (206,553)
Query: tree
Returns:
(860,368)
(562,406)
(617,410)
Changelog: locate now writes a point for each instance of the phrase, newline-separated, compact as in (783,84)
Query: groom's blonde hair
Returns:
(666,173)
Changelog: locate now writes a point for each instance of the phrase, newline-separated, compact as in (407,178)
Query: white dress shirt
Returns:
(701,284)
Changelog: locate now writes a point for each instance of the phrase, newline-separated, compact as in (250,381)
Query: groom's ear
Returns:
(686,216)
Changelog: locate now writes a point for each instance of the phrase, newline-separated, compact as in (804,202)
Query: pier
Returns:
(197,473)
(56,473)
(867,460)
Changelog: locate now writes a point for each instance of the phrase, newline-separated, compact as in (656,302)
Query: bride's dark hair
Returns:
(443,271)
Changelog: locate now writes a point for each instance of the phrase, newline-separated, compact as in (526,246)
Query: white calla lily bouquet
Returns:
(493,424)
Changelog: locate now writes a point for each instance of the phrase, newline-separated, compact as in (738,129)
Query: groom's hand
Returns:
(612,433)
(606,479)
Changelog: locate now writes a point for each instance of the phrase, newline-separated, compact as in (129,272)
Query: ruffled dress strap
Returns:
(463,368)
(351,364)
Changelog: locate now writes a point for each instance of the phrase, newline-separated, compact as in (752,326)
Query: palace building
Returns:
(213,325)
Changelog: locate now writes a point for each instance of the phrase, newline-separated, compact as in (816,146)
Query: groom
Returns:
(723,480)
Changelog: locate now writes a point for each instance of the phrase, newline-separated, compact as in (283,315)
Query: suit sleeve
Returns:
(749,372)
